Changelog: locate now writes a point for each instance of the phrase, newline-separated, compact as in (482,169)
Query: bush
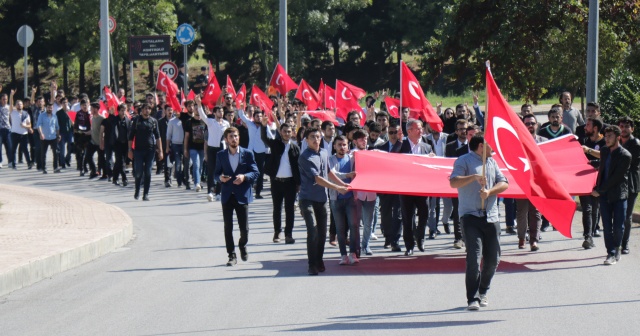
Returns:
(620,96)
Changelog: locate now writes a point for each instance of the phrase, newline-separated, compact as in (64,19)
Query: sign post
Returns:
(144,48)
(25,39)
(185,34)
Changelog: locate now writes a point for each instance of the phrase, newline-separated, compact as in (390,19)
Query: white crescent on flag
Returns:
(278,79)
(344,96)
(308,96)
(499,123)
(412,89)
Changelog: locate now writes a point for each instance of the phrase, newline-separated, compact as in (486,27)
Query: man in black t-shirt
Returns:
(147,137)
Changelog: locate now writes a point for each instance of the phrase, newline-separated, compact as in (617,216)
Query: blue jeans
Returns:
(197,156)
(5,138)
(367,211)
(142,166)
(177,153)
(64,148)
(613,216)
(346,208)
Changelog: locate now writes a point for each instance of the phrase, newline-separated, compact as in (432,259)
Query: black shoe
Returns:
(588,243)
(187,186)
(136,195)
(276,237)
(124,183)
(104,177)
(57,170)
(44,171)
(433,234)
(258,196)
(395,248)
(547,228)
(625,250)
(510,230)
(408,252)
(617,255)
(289,240)
(115,182)
(312,270)
(145,197)
(387,243)
(244,255)
(420,245)
(597,234)
(167,184)
(321,267)
(93,175)
(232,259)
(30,166)
(81,173)
(446,228)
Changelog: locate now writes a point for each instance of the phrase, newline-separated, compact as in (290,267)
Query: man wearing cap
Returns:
(201,81)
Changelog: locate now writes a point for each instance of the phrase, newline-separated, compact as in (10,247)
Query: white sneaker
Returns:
(1,166)
(344,260)
(198,187)
(484,302)
(217,198)
(210,197)
(374,237)
(353,259)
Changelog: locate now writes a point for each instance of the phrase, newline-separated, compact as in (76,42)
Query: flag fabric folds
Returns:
(260,100)
(393,106)
(212,91)
(281,81)
(307,95)
(347,96)
(413,97)
(241,96)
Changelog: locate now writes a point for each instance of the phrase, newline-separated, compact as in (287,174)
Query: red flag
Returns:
(513,143)
(429,176)
(347,97)
(323,115)
(393,106)
(307,95)
(281,81)
(182,98)
(166,85)
(329,97)
(212,91)
(260,100)
(413,97)
(191,95)
(321,93)
(72,115)
(104,111)
(112,100)
(230,88)
(241,96)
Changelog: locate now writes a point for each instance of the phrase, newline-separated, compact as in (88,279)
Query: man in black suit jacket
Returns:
(414,235)
(390,209)
(282,169)
(630,143)
(612,186)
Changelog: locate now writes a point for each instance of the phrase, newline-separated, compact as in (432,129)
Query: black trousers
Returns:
(413,233)
(260,158)
(88,156)
(82,141)
(483,254)
(457,228)
(315,218)
(242,212)
(120,149)
(212,154)
(631,201)
(391,217)
(283,190)
(54,150)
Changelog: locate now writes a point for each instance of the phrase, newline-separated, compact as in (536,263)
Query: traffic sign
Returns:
(170,69)
(112,24)
(185,34)
(156,47)
(25,36)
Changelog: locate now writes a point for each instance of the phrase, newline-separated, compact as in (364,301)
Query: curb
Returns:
(65,257)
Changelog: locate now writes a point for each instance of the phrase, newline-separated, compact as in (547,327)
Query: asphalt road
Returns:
(171,280)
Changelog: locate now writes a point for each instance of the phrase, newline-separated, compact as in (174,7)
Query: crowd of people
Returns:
(309,162)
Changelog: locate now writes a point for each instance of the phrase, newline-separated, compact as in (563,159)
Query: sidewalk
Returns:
(43,233)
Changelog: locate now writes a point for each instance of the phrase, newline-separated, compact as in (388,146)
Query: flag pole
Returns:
(400,103)
(484,147)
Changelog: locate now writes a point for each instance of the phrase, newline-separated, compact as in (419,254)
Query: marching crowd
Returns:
(310,162)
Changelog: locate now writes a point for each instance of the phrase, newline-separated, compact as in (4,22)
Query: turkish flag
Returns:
(393,106)
(281,81)
(260,100)
(307,95)
(323,115)
(327,95)
(172,100)
(112,100)
(347,97)
(191,95)
(72,115)
(241,96)
(212,91)
(182,98)
(413,97)
(104,111)
(429,176)
(230,88)
(166,85)
(513,143)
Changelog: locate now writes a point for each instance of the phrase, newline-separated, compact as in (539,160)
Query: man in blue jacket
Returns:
(236,170)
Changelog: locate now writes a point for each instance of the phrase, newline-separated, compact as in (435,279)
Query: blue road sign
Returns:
(185,34)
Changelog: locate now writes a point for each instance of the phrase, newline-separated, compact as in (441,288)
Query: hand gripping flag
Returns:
(413,97)
(308,96)
(281,81)
(513,143)
(212,91)
(347,97)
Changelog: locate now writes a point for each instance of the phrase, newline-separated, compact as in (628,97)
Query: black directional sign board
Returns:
(143,48)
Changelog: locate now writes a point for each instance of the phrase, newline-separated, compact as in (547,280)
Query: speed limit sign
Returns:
(170,69)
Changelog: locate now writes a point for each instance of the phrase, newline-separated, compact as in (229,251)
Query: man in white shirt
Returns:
(255,142)
(215,127)
(20,127)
